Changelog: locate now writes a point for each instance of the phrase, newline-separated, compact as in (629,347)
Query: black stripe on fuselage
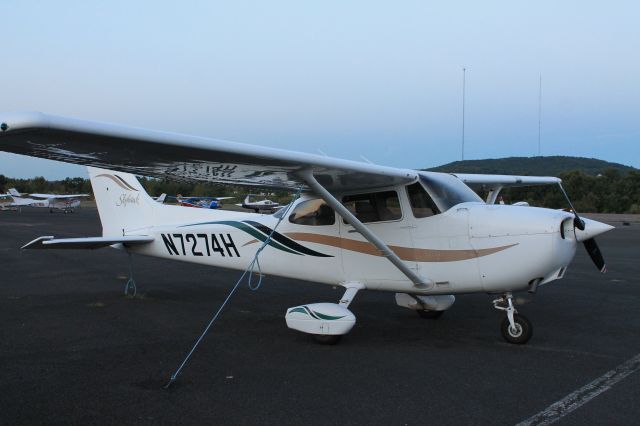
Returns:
(285,241)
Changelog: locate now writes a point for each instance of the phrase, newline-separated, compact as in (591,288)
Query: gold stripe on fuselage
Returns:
(404,253)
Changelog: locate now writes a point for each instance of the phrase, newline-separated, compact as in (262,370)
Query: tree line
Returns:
(609,192)
(154,187)
(612,191)
(40,185)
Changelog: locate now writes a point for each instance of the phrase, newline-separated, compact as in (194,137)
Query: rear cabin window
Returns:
(421,203)
(374,207)
(313,213)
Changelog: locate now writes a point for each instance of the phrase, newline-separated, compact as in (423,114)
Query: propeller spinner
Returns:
(586,236)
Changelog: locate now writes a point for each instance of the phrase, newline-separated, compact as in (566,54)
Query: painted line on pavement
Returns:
(577,399)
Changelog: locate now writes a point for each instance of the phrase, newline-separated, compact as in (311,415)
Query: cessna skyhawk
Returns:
(201,202)
(67,203)
(261,206)
(424,236)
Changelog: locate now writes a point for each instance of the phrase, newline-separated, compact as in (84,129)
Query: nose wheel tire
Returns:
(520,333)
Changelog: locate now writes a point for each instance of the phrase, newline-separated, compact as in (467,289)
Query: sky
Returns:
(381,80)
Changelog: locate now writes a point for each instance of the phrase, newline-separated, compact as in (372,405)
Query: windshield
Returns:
(448,191)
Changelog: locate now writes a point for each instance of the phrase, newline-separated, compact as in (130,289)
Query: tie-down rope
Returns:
(130,288)
(249,270)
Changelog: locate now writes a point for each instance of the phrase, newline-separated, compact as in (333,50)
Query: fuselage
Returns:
(47,203)
(471,247)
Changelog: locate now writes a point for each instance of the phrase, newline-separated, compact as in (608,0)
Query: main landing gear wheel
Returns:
(521,331)
(327,339)
(430,314)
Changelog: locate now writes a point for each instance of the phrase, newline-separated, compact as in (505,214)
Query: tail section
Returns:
(14,192)
(247,199)
(122,202)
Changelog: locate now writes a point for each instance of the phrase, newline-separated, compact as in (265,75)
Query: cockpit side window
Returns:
(313,213)
(421,203)
(374,207)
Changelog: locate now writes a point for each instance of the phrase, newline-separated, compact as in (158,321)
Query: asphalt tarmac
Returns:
(74,350)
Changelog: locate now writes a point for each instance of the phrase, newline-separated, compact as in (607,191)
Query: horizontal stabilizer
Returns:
(50,242)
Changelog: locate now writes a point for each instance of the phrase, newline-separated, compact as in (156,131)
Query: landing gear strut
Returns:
(327,339)
(515,328)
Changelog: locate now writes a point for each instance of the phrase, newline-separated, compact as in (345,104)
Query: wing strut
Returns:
(309,178)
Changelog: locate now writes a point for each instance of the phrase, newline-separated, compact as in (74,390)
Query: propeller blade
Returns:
(595,254)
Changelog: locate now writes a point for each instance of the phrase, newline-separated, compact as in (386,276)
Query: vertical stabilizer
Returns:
(122,202)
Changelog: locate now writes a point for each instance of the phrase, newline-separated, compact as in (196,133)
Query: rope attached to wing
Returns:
(255,262)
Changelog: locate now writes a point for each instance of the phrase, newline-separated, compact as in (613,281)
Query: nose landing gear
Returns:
(515,328)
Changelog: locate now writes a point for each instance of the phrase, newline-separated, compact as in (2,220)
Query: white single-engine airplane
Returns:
(262,206)
(66,203)
(424,236)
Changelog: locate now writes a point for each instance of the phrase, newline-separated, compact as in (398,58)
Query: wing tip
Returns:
(22,120)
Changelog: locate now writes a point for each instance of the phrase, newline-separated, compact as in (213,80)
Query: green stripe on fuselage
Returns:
(249,230)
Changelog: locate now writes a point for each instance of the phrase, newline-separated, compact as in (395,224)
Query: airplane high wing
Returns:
(425,236)
(493,184)
(59,196)
(161,154)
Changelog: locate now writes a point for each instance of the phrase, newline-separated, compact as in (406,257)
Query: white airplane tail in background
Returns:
(122,202)
(14,192)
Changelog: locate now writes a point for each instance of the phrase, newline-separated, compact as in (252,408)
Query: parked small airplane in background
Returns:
(262,206)
(201,202)
(66,203)
(424,236)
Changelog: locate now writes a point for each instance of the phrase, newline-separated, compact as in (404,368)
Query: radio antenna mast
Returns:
(464,72)
(539,114)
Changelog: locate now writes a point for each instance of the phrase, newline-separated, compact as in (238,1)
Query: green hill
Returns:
(540,166)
